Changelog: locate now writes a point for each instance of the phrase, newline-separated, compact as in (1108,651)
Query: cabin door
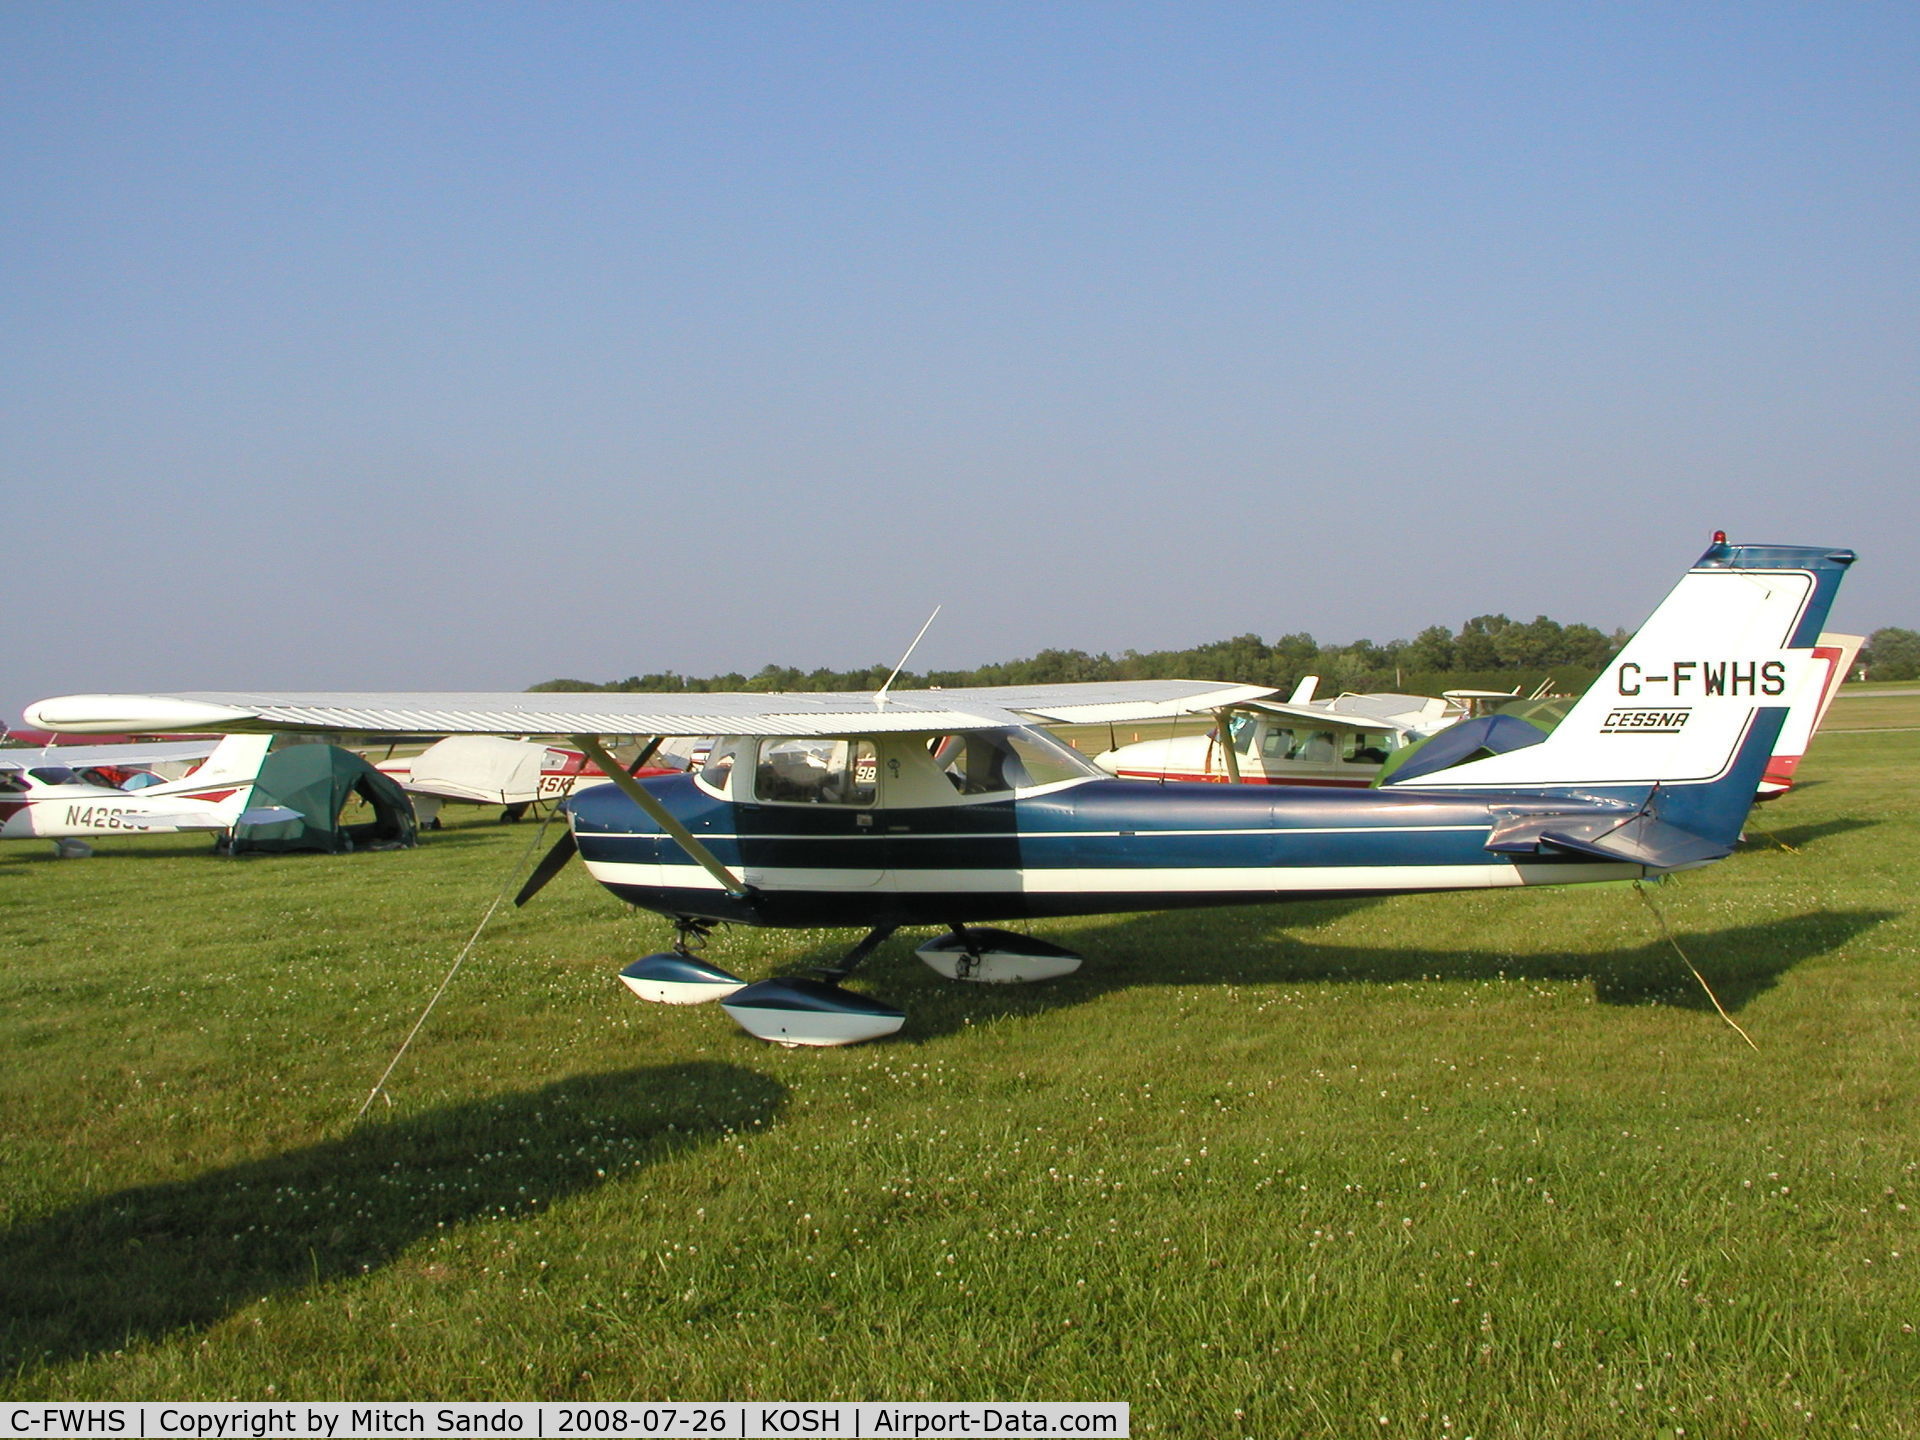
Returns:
(814,821)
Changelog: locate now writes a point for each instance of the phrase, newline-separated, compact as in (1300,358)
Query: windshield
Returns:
(717,768)
(982,762)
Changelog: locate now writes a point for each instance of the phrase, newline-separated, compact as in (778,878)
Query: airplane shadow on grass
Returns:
(142,1263)
(1800,837)
(1255,946)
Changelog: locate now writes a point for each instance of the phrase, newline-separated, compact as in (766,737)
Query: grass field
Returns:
(1480,1165)
(1874,707)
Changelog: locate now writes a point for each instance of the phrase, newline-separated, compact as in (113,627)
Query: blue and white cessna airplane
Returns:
(952,808)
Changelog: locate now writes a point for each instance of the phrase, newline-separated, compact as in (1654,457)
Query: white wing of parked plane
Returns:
(133,754)
(600,713)
(1399,713)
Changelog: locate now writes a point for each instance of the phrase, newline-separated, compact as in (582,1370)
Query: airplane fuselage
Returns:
(62,811)
(1093,846)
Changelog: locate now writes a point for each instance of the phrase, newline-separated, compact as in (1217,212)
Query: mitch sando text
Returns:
(915,1420)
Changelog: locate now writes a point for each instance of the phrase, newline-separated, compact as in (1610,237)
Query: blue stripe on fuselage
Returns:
(1102,824)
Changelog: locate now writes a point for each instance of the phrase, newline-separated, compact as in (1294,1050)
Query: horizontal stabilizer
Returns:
(267,815)
(164,820)
(1638,839)
(206,819)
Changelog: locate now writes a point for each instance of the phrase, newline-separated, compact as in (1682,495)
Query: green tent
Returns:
(318,781)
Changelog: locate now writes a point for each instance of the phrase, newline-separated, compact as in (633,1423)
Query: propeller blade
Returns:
(551,864)
(566,847)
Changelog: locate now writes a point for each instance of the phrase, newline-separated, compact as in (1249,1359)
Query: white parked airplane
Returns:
(55,802)
(1340,742)
(115,765)
(488,770)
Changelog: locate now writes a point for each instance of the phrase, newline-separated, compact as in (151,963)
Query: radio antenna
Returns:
(880,695)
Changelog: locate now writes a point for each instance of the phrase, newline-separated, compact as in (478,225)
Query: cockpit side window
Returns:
(1367,747)
(1314,746)
(55,775)
(13,782)
(817,772)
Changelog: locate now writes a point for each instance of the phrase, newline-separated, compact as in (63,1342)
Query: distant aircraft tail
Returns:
(233,765)
(1684,719)
(225,782)
(1832,660)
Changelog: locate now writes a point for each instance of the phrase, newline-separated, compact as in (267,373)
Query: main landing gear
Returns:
(794,1010)
(996,957)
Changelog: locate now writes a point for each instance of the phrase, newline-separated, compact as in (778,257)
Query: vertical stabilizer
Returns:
(236,760)
(1682,705)
(1832,661)
(224,779)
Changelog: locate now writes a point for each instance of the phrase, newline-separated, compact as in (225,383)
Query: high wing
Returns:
(600,713)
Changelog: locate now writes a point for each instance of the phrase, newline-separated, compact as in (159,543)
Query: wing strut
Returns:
(1223,719)
(659,814)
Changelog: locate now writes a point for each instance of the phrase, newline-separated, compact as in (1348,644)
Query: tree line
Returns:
(1489,652)
(1891,654)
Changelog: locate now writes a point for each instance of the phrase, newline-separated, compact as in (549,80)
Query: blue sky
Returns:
(429,346)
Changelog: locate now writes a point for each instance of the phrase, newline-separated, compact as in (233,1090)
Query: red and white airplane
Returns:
(493,770)
(123,765)
(50,799)
(1831,663)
